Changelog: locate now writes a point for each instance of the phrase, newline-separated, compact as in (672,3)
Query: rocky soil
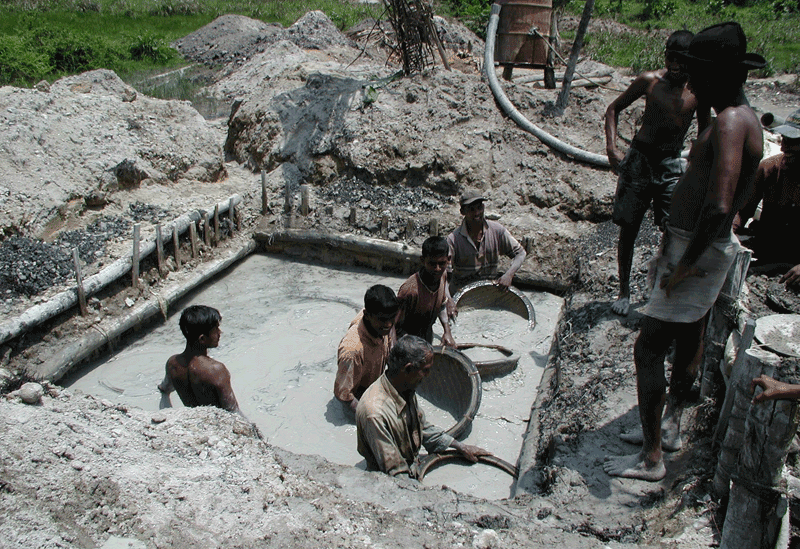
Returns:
(85,158)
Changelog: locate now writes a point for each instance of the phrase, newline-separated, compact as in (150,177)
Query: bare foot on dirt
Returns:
(671,440)
(621,306)
(635,466)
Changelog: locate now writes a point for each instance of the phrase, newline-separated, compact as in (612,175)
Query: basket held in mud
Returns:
(505,362)
(485,294)
(432,461)
(454,386)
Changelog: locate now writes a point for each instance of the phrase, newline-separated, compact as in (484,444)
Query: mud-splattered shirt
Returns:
(391,430)
(361,359)
(471,260)
(419,307)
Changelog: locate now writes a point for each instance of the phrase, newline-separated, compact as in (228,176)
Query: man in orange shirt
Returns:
(364,349)
(422,297)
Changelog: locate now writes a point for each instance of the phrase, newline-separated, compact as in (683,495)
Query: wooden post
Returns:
(288,198)
(206,229)
(352,218)
(433,227)
(135,256)
(410,228)
(755,363)
(736,372)
(305,198)
(264,199)
(756,507)
(232,215)
(176,246)
(577,44)
(193,238)
(217,236)
(385,226)
(79,279)
(159,250)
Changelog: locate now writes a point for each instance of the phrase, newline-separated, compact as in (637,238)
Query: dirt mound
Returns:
(91,135)
(229,40)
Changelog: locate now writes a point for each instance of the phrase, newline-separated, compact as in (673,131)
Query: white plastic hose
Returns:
(515,115)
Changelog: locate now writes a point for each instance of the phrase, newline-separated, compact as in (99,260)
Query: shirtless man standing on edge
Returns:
(698,246)
(653,165)
(197,378)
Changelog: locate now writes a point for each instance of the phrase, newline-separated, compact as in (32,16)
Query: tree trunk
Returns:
(549,69)
(757,504)
(563,96)
(756,362)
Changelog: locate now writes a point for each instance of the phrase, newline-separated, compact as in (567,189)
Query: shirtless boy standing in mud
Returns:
(653,165)
(197,378)
(698,246)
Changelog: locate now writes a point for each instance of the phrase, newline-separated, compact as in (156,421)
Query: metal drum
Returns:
(516,46)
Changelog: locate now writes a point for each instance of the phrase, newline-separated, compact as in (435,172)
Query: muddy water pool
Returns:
(281,325)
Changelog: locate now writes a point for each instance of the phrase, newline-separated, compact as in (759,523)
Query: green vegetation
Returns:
(46,39)
(772,28)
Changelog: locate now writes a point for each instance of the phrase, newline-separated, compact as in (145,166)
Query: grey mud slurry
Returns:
(281,325)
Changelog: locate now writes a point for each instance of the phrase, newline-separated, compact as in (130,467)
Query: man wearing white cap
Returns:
(778,185)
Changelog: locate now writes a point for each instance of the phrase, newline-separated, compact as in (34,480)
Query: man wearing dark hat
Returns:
(698,246)
(653,165)
(778,185)
(476,245)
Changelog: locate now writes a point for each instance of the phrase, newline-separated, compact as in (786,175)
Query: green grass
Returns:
(49,39)
(772,33)
(46,39)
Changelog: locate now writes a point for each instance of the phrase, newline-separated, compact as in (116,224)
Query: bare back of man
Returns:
(202,381)
(722,164)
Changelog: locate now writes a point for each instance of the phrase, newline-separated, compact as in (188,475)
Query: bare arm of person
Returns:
(703,118)
(519,253)
(792,277)
(216,374)
(727,140)
(773,389)
(470,453)
(447,336)
(636,90)
(751,205)
(166,385)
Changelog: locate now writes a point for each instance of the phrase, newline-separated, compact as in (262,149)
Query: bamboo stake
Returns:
(264,199)
(159,250)
(288,198)
(193,239)
(352,218)
(176,246)
(216,225)
(232,216)
(385,226)
(79,279)
(410,228)
(206,229)
(305,198)
(433,227)
(135,256)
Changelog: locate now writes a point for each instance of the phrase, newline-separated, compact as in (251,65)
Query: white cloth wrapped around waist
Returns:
(691,299)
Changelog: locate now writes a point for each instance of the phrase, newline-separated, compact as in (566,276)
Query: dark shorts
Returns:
(644,178)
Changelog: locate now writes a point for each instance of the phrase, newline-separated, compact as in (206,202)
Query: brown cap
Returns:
(471,196)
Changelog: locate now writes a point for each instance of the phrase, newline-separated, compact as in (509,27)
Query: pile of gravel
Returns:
(91,242)
(28,266)
(148,213)
(353,191)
